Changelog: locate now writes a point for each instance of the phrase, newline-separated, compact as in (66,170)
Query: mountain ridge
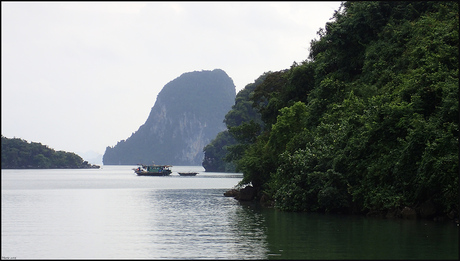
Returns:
(187,114)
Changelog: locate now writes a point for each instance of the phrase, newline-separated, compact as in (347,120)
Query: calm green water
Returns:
(111,213)
(321,236)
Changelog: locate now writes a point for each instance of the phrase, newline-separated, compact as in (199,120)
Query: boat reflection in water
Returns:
(153,170)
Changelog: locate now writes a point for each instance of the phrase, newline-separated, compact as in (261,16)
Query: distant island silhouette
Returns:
(20,154)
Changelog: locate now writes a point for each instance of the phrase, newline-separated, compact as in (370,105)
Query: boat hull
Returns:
(145,173)
(188,173)
(152,174)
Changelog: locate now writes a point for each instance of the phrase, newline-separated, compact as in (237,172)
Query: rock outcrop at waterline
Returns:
(250,194)
(188,113)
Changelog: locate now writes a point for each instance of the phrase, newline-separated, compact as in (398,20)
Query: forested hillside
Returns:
(242,115)
(367,123)
(20,154)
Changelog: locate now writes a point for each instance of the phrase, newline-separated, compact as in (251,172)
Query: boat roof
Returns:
(154,165)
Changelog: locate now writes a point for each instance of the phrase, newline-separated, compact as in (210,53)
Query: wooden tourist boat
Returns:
(153,170)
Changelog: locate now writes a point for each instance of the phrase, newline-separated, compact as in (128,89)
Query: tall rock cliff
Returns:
(187,115)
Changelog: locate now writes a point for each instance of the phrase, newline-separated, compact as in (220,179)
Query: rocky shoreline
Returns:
(249,193)
(426,210)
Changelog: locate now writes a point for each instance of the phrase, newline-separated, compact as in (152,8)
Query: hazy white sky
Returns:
(81,76)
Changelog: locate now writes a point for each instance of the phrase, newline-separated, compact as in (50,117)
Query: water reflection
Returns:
(322,236)
(50,215)
(203,224)
(249,229)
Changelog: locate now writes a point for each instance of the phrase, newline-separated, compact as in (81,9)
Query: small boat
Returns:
(188,173)
(153,170)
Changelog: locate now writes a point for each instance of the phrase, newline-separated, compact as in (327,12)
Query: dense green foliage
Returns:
(186,116)
(219,153)
(20,154)
(369,122)
(215,151)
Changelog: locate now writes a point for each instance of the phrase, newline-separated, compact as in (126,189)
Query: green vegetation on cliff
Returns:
(217,157)
(369,122)
(20,154)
